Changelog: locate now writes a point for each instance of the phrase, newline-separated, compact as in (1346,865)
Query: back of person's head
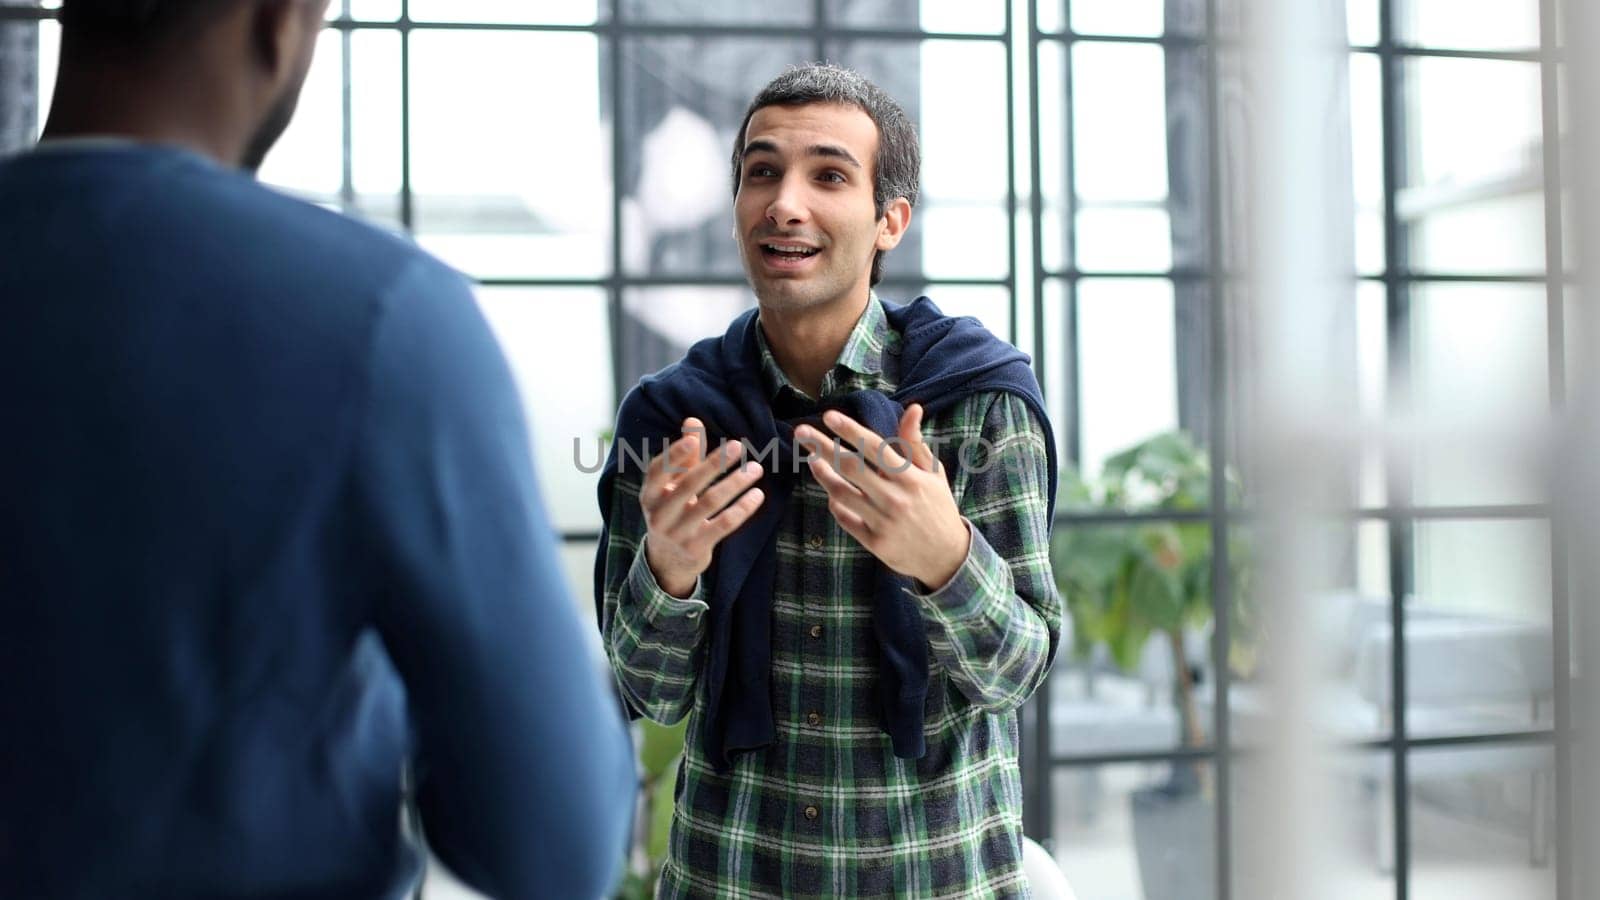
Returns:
(230,71)
(138,24)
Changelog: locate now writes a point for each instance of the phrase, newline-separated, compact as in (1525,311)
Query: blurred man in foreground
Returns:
(268,528)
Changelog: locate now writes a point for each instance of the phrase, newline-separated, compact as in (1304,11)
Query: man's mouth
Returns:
(782,252)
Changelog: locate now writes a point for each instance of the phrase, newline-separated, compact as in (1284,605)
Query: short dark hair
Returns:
(896,169)
(136,22)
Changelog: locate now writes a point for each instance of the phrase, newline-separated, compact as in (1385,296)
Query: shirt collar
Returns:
(862,353)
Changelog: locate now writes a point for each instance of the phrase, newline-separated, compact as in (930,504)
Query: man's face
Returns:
(804,215)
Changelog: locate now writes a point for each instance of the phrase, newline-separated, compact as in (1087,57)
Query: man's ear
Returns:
(278,31)
(893,223)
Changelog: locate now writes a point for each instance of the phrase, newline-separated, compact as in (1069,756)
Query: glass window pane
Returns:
(368,10)
(1366,157)
(1051,16)
(1362,16)
(953,16)
(1483,822)
(1060,380)
(42,40)
(1119,122)
(660,323)
(1345,615)
(1473,199)
(683,99)
(1120,154)
(1052,138)
(1122,17)
(309,159)
(1138,598)
(1479,645)
(722,12)
(1358,816)
(496,196)
(558,343)
(1469,24)
(1372,386)
(989,305)
(1143,831)
(577,562)
(1480,386)
(375,125)
(1127,365)
(521,12)
(955,92)
(1124,239)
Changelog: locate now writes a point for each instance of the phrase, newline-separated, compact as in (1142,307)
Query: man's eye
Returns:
(758,171)
(833,177)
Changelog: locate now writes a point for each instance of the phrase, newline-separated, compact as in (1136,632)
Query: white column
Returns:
(1300,299)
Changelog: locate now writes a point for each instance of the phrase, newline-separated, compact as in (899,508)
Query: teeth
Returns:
(789,248)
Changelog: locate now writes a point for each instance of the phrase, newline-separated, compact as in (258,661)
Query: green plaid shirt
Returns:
(828,810)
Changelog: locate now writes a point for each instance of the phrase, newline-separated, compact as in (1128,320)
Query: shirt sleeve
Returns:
(654,639)
(525,772)
(996,624)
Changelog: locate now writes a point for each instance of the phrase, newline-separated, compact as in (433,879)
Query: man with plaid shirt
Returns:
(852,618)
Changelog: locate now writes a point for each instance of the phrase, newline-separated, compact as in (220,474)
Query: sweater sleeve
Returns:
(524,765)
(654,640)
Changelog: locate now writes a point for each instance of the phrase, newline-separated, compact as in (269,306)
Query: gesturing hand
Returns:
(895,501)
(685,515)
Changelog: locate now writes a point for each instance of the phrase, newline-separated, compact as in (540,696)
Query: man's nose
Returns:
(788,204)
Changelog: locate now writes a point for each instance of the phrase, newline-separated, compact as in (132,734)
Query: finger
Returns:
(684,501)
(713,499)
(677,483)
(851,521)
(871,445)
(729,520)
(679,455)
(836,484)
(857,475)
(911,434)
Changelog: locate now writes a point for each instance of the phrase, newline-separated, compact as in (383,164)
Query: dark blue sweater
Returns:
(268,528)
(945,360)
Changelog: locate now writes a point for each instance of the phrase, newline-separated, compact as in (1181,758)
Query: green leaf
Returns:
(661,803)
(660,746)
(1127,643)
(1091,557)
(1155,595)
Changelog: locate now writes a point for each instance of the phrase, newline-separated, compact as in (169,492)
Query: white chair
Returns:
(1045,878)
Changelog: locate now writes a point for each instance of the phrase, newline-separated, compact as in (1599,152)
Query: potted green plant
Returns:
(660,755)
(1126,583)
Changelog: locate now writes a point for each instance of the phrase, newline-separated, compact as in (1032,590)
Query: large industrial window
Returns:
(571,157)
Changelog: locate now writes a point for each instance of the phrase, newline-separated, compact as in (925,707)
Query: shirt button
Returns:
(812,812)
(816,631)
(814,542)
(814,719)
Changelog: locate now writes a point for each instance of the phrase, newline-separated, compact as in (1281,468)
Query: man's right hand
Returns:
(686,516)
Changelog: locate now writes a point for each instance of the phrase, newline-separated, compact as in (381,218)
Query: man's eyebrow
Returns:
(759,146)
(833,151)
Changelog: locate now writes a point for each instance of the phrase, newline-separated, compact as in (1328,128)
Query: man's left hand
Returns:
(893,498)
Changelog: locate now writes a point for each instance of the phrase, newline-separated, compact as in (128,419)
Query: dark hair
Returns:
(897,166)
(136,22)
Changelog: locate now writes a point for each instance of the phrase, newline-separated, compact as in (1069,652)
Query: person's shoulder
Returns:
(305,229)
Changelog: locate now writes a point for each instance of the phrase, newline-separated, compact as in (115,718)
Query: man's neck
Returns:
(96,104)
(806,343)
